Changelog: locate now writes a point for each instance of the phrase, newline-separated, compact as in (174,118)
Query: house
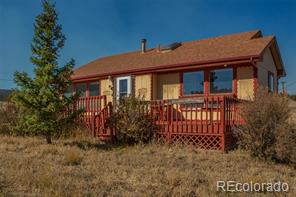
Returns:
(230,66)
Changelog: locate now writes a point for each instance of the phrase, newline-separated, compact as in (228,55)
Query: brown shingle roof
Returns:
(229,46)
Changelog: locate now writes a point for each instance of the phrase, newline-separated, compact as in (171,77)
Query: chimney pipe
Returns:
(158,48)
(143,45)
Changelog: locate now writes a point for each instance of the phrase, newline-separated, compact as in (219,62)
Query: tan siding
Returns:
(143,86)
(168,86)
(262,77)
(200,115)
(245,83)
(267,65)
(106,90)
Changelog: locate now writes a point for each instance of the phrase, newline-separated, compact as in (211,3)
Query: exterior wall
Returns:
(168,86)
(106,90)
(154,86)
(245,82)
(267,65)
(143,85)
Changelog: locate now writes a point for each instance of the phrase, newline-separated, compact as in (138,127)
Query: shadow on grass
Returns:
(86,145)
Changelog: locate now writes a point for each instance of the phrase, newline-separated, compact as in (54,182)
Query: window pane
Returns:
(81,88)
(122,94)
(69,91)
(123,85)
(270,82)
(221,81)
(193,83)
(94,89)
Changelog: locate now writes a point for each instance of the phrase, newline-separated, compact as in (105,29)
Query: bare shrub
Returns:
(293,97)
(9,115)
(267,132)
(72,157)
(285,146)
(70,130)
(130,123)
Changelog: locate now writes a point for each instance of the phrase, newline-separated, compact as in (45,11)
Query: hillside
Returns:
(4,93)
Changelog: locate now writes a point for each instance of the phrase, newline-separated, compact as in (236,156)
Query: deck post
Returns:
(109,114)
(223,126)
(170,120)
(94,126)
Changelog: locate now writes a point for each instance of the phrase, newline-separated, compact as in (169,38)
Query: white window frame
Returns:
(271,82)
(129,85)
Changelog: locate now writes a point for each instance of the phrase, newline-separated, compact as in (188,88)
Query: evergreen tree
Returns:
(43,96)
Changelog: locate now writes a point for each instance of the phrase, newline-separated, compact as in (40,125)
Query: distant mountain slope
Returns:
(4,94)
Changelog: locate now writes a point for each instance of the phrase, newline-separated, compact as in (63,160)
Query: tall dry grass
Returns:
(83,167)
(268,131)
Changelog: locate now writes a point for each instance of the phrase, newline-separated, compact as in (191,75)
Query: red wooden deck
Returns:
(204,122)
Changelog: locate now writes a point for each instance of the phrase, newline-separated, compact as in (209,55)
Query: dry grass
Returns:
(292,106)
(29,167)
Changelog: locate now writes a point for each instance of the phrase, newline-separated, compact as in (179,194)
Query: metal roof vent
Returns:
(170,47)
(143,45)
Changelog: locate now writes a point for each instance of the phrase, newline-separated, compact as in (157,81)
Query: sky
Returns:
(97,28)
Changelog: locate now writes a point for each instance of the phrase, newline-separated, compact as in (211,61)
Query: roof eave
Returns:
(242,59)
(276,55)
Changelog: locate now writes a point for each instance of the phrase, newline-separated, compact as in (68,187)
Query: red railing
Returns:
(205,121)
(201,121)
(90,106)
(196,115)
(101,126)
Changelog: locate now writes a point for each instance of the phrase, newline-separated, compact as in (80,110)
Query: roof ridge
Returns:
(183,43)
(249,43)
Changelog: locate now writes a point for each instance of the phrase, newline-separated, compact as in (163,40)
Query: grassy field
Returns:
(82,167)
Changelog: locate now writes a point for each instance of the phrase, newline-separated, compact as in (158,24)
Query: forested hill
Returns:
(4,94)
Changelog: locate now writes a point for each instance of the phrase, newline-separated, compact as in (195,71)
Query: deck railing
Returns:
(90,107)
(201,121)
(196,115)
(101,127)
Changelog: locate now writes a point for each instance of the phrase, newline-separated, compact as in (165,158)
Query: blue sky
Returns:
(96,28)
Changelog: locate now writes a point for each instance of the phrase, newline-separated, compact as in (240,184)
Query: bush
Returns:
(73,157)
(71,130)
(11,123)
(293,97)
(285,146)
(268,132)
(130,122)
(9,116)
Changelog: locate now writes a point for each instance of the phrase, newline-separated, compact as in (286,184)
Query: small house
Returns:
(191,81)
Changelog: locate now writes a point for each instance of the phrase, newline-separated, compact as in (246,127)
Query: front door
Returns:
(123,87)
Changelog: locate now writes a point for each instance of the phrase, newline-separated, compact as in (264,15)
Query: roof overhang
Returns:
(161,68)
(276,55)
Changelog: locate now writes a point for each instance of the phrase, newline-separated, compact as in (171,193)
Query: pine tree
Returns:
(42,96)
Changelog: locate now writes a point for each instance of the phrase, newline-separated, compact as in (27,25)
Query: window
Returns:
(123,87)
(81,89)
(193,83)
(270,82)
(69,92)
(221,81)
(94,89)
